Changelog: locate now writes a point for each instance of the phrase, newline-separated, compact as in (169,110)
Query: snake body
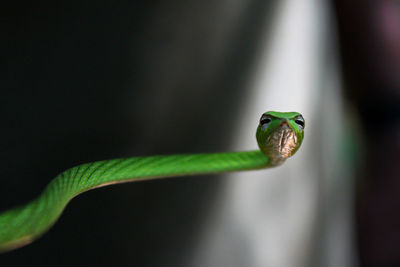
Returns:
(279,135)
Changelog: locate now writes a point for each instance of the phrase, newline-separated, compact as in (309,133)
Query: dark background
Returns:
(97,80)
(369,34)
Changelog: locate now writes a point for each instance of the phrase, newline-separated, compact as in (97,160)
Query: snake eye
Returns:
(264,121)
(300,122)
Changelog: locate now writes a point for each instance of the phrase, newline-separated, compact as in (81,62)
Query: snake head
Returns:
(280,134)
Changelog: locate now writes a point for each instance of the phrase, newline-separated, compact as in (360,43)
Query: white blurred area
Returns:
(299,214)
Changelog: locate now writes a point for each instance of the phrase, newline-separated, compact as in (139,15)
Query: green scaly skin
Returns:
(22,225)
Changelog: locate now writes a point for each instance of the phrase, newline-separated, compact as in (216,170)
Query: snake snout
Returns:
(284,124)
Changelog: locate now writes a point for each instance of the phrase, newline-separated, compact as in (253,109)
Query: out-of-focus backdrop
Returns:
(96,80)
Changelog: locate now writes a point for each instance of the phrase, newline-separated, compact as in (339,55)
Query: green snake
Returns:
(279,136)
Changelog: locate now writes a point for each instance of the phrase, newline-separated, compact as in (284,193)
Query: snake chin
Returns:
(281,144)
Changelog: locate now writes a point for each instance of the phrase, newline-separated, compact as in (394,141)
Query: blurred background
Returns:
(96,80)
